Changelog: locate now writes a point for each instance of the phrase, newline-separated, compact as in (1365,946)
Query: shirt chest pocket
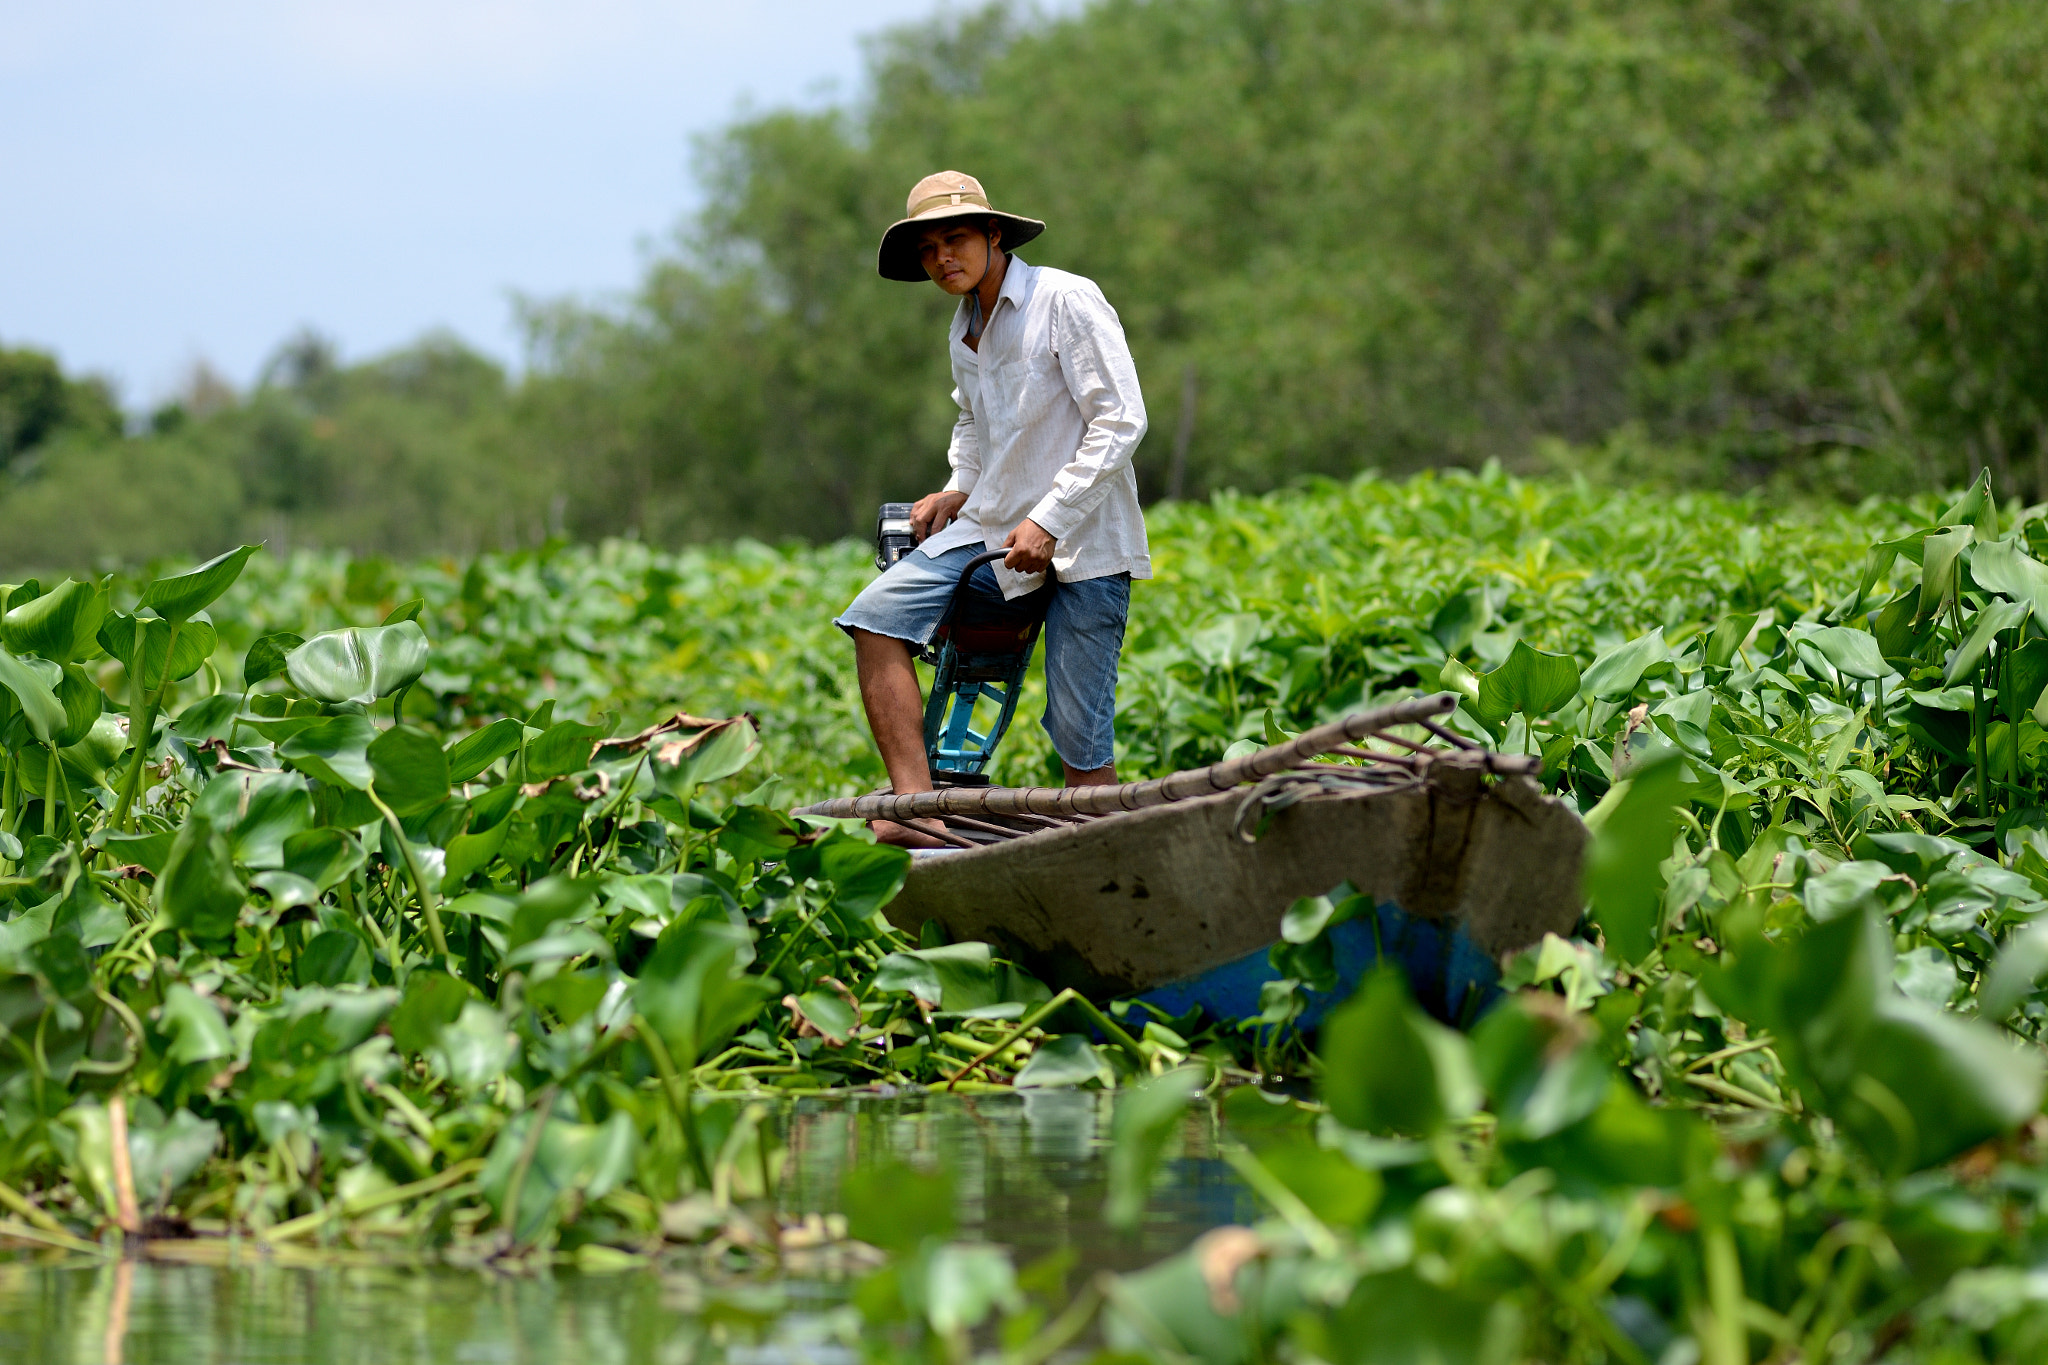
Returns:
(1017,380)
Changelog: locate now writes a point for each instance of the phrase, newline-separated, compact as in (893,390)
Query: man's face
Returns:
(955,254)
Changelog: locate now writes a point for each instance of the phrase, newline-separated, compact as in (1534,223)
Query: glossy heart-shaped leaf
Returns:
(360,663)
(141,644)
(82,701)
(323,856)
(1531,681)
(59,626)
(334,751)
(209,718)
(563,748)
(199,891)
(182,596)
(266,658)
(1938,568)
(273,807)
(473,753)
(410,771)
(1978,507)
(1729,633)
(194,1023)
(91,761)
(1854,653)
(471,852)
(693,988)
(1387,1066)
(150,849)
(431,1002)
(34,690)
(1616,673)
(1621,878)
(1999,616)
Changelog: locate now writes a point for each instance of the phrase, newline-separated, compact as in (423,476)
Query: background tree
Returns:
(1795,243)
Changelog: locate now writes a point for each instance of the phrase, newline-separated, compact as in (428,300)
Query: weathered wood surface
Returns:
(1190,785)
(1123,904)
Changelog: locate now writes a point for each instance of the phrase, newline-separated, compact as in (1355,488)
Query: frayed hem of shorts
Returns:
(850,627)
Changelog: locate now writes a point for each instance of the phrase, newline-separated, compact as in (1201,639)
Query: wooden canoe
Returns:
(1177,901)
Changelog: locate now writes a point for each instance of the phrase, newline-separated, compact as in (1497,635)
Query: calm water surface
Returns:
(1029,1174)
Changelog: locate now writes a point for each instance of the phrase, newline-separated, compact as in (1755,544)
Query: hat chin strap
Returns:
(974,290)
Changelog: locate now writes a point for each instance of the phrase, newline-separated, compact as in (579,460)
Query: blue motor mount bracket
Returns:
(980,650)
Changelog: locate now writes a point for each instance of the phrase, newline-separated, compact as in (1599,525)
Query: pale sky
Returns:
(200,178)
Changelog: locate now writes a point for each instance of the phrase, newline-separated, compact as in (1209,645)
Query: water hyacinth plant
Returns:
(345,936)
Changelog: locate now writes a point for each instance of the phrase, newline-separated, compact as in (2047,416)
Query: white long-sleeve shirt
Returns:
(1050,414)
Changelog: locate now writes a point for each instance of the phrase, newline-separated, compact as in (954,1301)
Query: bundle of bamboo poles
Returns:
(978,815)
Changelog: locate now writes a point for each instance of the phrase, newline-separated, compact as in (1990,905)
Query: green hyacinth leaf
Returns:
(1995,619)
(1938,568)
(1616,673)
(33,684)
(59,626)
(183,596)
(199,891)
(410,770)
(141,644)
(360,663)
(92,760)
(475,752)
(82,701)
(1388,1067)
(1978,507)
(334,751)
(1854,653)
(266,658)
(1531,681)
(1622,883)
(324,856)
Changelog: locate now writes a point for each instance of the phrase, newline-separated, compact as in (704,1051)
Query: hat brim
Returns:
(898,258)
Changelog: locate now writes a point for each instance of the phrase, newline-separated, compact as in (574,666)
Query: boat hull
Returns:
(1164,897)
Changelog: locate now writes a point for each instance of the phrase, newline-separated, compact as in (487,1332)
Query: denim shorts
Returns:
(1084,634)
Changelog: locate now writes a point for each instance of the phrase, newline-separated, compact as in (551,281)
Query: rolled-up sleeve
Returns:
(963,453)
(1100,375)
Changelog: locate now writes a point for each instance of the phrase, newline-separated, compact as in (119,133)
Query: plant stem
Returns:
(142,719)
(1727,1339)
(50,796)
(542,1110)
(1977,725)
(678,1094)
(1983,759)
(70,804)
(430,906)
(126,1212)
(389,943)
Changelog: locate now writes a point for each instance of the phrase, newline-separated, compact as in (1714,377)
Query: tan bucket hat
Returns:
(948,194)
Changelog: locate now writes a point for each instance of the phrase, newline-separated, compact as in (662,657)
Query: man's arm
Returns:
(930,514)
(1096,361)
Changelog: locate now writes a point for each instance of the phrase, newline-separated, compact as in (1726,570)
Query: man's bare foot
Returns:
(910,835)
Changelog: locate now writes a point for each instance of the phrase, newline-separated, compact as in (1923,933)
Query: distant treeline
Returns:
(1802,242)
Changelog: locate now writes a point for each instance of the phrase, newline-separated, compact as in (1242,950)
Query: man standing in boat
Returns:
(1050,415)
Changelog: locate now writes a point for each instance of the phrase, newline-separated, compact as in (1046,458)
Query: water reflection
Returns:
(1029,1174)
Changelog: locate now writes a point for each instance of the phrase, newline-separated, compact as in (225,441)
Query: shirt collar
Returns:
(1015,277)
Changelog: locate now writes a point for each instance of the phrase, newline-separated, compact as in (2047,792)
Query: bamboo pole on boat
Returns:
(1069,802)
